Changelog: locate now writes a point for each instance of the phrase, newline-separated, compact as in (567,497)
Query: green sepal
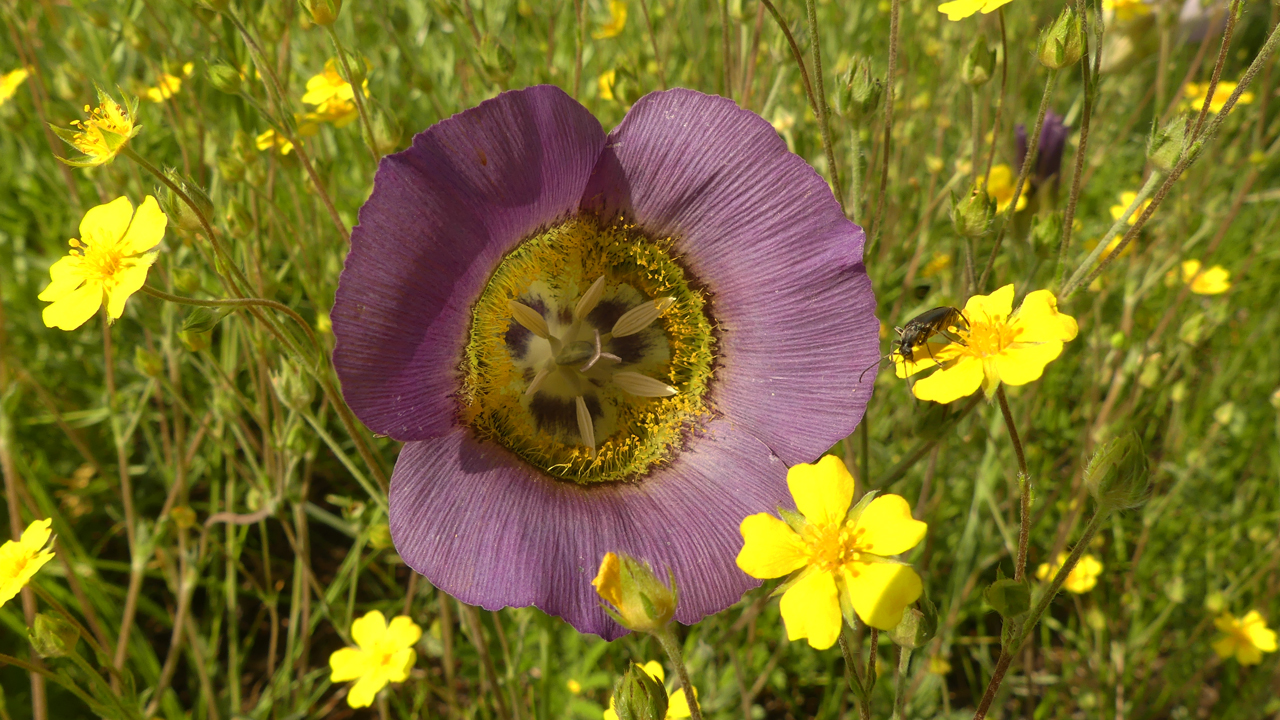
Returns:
(855,512)
(793,519)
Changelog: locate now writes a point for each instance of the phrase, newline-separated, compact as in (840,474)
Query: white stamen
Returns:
(643,385)
(589,299)
(529,318)
(639,318)
(537,381)
(599,354)
(585,427)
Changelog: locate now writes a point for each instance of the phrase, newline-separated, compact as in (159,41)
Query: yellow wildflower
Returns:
(1194,96)
(333,97)
(272,139)
(383,654)
(574,686)
(1214,281)
(106,265)
(999,345)
(844,557)
(605,83)
(1246,638)
(103,134)
(21,559)
(677,703)
(1082,578)
(1125,10)
(9,83)
(938,263)
(961,9)
(1000,187)
(617,21)
(1126,199)
(938,665)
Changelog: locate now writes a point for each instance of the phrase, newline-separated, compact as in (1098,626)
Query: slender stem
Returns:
(136,563)
(1024,487)
(851,661)
(653,39)
(667,639)
(975,121)
(1089,81)
(356,94)
(887,146)
(1232,14)
(1144,193)
(240,302)
(824,116)
(580,39)
(1033,146)
(726,77)
(1004,85)
(1008,653)
(795,53)
(899,682)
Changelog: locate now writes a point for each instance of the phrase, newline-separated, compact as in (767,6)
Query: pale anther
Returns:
(537,381)
(589,299)
(639,318)
(529,318)
(642,385)
(585,427)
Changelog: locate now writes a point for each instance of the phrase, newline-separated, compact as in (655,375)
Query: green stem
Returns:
(824,117)
(240,302)
(899,680)
(1004,84)
(795,53)
(356,94)
(887,149)
(1077,174)
(1148,188)
(1024,488)
(667,639)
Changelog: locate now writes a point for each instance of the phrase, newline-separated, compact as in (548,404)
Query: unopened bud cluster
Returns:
(1063,42)
(1118,476)
(858,91)
(638,696)
(637,599)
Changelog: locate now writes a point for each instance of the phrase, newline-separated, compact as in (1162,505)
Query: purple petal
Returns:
(441,216)
(783,265)
(484,527)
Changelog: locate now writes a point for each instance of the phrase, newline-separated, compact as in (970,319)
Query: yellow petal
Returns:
(881,591)
(1213,281)
(1255,628)
(401,663)
(1248,654)
(72,311)
(960,9)
(1225,623)
(129,280)
(66,275)
(365,689)
(993,5)
(994,308)
(611,714)
(653,669)
(823,490)
(888,528)
(403,631)
(952,383)
(770,547)
(348,664)
(811,609)
(37,535)
(1225,647)
(106,223)
(147,228)
(1020,364)
(1038,319)
(369,630)
(678,705)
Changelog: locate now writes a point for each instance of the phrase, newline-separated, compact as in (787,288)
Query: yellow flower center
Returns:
(987,339)
(832,547)
(99,261)
(109,117)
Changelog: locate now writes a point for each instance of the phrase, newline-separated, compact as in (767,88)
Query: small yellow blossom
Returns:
(1000,187)
(999,345)
(1194,96)
(1126,199)
(333,97)
(167,86)
(845,558)
(961,9)
(617,21)
(938,263)
(383,654)
(677,704)
(272,139)
(9,83)
(1125,10)
(1092,243)
(605,83)
(574,686)
(1082,578)
(107,264)
(1214,281)
(938,665)
(21,559)
(1246,638)
(103,134)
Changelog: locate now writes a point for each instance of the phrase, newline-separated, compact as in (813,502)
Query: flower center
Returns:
(832,547)
(98,261)
(988,338)
(589,353)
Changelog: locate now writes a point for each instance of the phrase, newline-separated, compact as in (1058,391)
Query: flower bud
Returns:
(146,362)
(978,65)
(322,12)
(1046,231)
(357,66)
(1010,598)
(639,697)
(239,221)
(202,320)
(1165,147)
(1063,42)
(292,386)
(858,91)
(386,130)
(917,627)
(1117,476)
(53,636)
(225,78)
(497,60)
(639,600)
(972,216)
(177,209)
